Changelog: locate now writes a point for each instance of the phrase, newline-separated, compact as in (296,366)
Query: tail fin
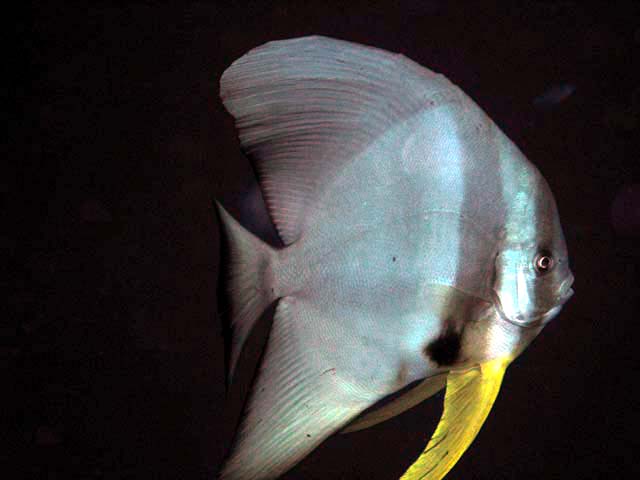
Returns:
(245,293)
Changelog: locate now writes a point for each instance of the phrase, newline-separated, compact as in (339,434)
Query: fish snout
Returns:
(567,295)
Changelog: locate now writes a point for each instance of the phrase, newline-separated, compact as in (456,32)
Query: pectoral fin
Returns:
(469,397)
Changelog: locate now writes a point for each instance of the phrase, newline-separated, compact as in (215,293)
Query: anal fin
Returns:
(425,389)
(295,403)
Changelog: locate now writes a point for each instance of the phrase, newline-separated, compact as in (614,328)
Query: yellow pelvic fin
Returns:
(468,400)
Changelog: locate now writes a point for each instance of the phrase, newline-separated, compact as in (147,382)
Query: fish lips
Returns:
(565,288)
(566,295)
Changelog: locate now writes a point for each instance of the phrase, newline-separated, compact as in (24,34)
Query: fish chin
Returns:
(545,318)
(537,320)
(553,312)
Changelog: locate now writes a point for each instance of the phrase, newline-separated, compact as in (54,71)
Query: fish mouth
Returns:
(566,290)
(566,295)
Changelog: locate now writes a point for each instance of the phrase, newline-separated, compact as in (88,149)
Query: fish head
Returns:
(532,276)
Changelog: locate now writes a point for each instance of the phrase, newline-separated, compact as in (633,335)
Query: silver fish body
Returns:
(418,239)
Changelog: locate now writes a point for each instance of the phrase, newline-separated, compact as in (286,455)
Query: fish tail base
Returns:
(245,287)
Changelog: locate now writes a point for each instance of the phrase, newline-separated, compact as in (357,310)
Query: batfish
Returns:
(419,246)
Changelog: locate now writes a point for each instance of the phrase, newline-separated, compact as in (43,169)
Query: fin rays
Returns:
(304,107)
(468,401)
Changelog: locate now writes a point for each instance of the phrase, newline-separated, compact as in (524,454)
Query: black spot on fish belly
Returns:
(445,349)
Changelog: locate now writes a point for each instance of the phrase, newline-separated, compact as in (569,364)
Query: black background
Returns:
(111,347)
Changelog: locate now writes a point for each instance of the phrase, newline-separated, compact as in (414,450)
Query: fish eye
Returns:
(543,262)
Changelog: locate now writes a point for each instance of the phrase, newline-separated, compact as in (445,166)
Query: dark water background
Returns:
(110,348)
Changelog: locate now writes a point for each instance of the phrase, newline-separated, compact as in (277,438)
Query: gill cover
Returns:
(468,400)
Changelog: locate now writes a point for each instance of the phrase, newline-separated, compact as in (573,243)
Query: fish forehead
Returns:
(533,221)
(548,218)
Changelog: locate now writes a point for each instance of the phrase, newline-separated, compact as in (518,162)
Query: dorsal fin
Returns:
(304,107)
